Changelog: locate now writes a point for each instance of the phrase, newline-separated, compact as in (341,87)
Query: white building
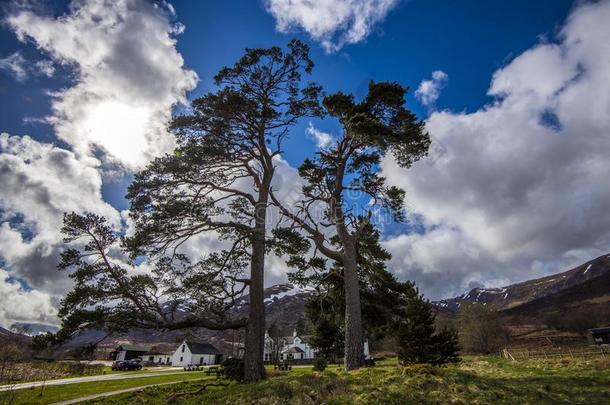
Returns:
(158,357)
(294,348)
(195,353)
(128,352)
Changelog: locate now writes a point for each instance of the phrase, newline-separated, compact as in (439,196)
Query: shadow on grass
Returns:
(391,385)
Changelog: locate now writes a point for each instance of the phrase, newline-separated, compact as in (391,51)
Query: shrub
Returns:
(369,363)
(480,329)
(418,341)
(233,369)
(320,363)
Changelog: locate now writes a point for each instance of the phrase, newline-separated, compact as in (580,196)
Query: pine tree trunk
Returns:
(354,343)
(254,369)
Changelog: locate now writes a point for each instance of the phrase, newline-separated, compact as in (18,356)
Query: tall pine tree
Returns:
(344,184)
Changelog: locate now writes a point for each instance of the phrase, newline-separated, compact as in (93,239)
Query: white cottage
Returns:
(297,348)
(158,357)
(294,348)
(195,353)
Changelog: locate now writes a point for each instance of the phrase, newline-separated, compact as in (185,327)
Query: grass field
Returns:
(477,380)
(55,393)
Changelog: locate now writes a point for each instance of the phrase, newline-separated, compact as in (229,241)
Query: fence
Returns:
(561,352)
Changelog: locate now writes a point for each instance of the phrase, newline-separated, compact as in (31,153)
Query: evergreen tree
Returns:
(110,294)
(337,181)
(418,342)
(219,178)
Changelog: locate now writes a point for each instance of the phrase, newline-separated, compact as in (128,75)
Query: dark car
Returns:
(117,365)
(127,365)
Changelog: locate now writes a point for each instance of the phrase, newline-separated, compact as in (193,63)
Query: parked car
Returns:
(127,365)
(117,365)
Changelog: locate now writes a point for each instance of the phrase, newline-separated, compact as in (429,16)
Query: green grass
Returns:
(477,380)
(38,373)
(55,393)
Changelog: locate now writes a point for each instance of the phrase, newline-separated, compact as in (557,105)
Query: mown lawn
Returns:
(477,380)
(55,393)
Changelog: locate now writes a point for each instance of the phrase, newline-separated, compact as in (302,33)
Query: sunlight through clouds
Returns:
(128,76)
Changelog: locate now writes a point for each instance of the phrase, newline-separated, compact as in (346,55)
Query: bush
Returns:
(233,369)
(480,329)
(369,363)
(320,363)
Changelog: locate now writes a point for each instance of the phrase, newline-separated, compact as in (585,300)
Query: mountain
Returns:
(285,306)
(583,290)
(520,294)
(10,336)
(33,328)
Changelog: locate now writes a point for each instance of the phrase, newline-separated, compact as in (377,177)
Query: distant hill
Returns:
(515,297)
(10,336)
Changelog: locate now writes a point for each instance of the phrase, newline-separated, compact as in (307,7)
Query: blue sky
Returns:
(510,191)
(468,40)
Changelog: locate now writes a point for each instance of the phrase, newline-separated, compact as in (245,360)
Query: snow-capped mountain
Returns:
(516,295)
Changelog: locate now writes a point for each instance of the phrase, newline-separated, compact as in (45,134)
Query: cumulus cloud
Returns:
(21,305)
(322,139)
(14,64)
(429,91)
(39,183)
(332,23)
(520,188)
(128,75)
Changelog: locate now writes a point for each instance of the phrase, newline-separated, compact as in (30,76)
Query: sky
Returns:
(515,96)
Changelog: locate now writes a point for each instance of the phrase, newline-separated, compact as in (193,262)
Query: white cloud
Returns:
(332,23)
(45,67)
(39,183)
(322,139)
(429,91)
(14,64)
(128,75)
(520,188)
(21,305)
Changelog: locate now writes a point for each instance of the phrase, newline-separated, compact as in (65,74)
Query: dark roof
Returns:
(133,348)
(600,330)
(293,349)
(201,348)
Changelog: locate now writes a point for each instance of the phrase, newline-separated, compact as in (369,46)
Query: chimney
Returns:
(294,332)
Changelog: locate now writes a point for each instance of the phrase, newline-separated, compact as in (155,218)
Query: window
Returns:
(183,346)
(151,358)
(201,360)
(180,359)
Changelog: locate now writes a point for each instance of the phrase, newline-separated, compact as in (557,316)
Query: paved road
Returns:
(101,377)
